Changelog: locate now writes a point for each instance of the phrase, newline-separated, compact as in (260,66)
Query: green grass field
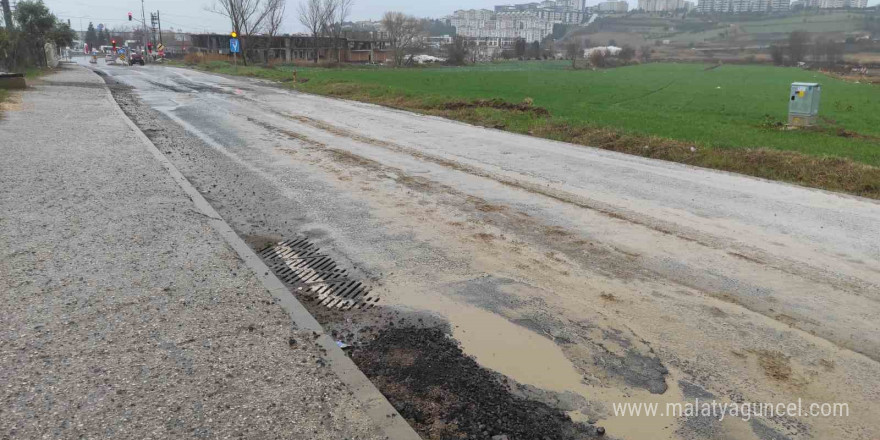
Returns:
(725,107)
(732,113)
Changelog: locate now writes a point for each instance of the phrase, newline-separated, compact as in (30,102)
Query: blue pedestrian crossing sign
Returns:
(234,45)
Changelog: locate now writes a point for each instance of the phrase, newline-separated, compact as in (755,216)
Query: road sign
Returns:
(234,45)
(160,47)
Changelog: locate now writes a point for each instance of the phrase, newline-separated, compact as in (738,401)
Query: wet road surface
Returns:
(613,277)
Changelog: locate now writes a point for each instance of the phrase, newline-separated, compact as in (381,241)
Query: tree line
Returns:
(27,31)
(96,38)
(404,33)
(324,20)
(252,17)
(800,44)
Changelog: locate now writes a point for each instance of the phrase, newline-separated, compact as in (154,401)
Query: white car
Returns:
(110,58)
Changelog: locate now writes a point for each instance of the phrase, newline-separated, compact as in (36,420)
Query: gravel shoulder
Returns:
(125,314)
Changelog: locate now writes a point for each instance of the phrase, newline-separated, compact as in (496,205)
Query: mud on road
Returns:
(411,357)
(590,298)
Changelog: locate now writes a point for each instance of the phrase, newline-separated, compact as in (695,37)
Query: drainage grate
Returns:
(301,265)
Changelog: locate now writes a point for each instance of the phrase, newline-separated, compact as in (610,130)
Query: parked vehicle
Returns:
(136,58)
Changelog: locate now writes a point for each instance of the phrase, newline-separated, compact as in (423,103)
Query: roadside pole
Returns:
(144,20)
(234,47)
(159,22)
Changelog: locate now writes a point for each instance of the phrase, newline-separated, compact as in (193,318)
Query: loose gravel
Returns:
(124,314)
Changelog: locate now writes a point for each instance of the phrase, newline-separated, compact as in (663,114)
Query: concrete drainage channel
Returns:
(409,357)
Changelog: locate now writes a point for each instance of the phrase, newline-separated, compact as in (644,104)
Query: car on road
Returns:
(110,58)
(136,58)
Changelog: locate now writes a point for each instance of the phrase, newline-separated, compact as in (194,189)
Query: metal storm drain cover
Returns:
(308,272)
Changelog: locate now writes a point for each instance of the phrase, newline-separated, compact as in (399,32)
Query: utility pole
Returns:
(159,20)
(156,23)
(144,20)
(7,14)
(153,23)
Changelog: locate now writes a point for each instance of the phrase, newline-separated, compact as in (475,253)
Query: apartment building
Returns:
(742,6)
(612,6)
(835,4)
(500,28)
(664,5)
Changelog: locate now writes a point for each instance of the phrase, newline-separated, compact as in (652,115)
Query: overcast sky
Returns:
(191,16)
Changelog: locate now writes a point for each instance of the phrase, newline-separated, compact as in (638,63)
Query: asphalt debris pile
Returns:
(500,104)
(445,394)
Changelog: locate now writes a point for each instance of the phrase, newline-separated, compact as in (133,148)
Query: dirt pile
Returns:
(445,394)
(500,104)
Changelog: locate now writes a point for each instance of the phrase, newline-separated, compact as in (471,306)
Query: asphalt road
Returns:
(617,278)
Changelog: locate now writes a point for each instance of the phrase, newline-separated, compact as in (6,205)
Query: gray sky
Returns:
(190,15)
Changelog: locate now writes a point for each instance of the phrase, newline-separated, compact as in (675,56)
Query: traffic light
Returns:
(114,45)
(129,16)
(150,47)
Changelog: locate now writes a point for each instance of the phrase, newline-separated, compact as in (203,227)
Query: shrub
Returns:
(597,58)
(204,58)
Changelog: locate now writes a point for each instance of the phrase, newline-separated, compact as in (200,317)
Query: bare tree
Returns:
(457,52)
(834,52)
(627,53)
(404,34)
(247,16)
(797,45)
(7,15)
(519,47)
(314,15)
(645,53)
(275,18)
(827,50)
(597,58)
(548,47)
(777,53)
(341,9)
(574,49)
(271,26)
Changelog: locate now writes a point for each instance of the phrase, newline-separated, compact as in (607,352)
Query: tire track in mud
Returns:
(850,284)
(633,361)
(855,286)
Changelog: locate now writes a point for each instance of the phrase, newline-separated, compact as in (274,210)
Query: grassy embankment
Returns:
(30,74)
(776,28)
(727,118)
(3,96)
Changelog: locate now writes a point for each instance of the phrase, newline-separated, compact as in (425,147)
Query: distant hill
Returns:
(704,30)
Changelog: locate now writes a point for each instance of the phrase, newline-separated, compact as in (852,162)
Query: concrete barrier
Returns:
(12,81)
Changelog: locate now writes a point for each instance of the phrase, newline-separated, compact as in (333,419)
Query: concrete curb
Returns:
(375,404)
